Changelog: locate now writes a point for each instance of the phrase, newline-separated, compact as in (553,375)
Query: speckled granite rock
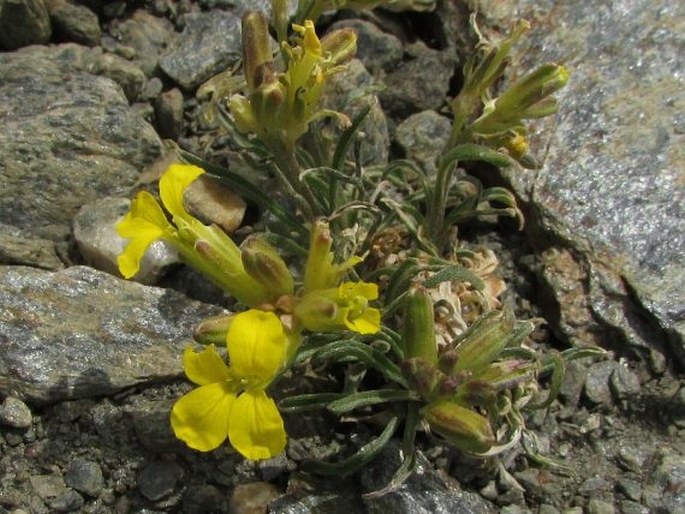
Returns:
(209,43)
(611,190)
(80,333)
(68,138)
(23,22)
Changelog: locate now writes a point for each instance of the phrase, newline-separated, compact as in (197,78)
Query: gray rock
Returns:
(319,502)
(668,481)
(153,88)
(96,237)
(573,382)
(70,501)
(424,492)
(85,476)
(22,23)
(169,114)
(378,50)
(596,506)
(48,486)
(72,22)
(420,83)
(631,488)
(624,383)
(158,480)
(17,248)
(210,42)
(69,138)
(129,76)
(204,498)
(632,507)
(151,424)
(148,35)
(422,136)
(80,333)
(597,382)
(350,92)
(15,413)
(611,184)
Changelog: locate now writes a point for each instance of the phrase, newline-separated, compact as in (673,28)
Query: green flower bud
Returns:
(339,46)
(213,330)
(418,334)
(422,376)
(242,114)
(262,263)
(529,90)
(257,56)
(482,343)
(460,426)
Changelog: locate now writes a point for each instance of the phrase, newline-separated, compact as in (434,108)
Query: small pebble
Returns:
(624,383)
(252,498)
(85,476)
(600,507)
(70,501)
(15,413)
(158,480)
(631,488)
(597,382)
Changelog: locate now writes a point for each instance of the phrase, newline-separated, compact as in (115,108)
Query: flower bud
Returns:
(460,426)
(483,342)
(418,334)
(422,376)
(242,114)
(531,89)
(317,273)
(262,263)
(213,330)
(340,45)
(257,54)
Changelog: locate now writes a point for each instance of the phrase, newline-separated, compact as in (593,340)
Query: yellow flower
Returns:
(345,307)
(320,272)
(206,248)
(231,402)
(146,222)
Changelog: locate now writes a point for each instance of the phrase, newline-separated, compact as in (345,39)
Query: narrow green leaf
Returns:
(307,401)
(474,152)
(452,273)
(347,137)
(366,398)
(350,349)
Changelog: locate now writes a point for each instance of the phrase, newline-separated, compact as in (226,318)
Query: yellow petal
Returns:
(205,367)
(173,184)
(368,323)
(200,418)
(144,224)
(367,290)
(256,344)
(255,426)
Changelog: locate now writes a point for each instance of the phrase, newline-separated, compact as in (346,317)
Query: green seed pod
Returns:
(460,426)
(257,56)
(262,263)
(418,334)
(213,330)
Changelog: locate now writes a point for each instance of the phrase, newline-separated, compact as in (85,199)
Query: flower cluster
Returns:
(279,107)
(262,341)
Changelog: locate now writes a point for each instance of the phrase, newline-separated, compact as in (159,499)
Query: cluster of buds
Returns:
(501,121)
(462,383)
(279,106)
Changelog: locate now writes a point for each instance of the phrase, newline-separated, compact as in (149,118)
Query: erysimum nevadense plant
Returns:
(469,384)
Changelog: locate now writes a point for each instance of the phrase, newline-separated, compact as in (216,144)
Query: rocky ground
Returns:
(89,363)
